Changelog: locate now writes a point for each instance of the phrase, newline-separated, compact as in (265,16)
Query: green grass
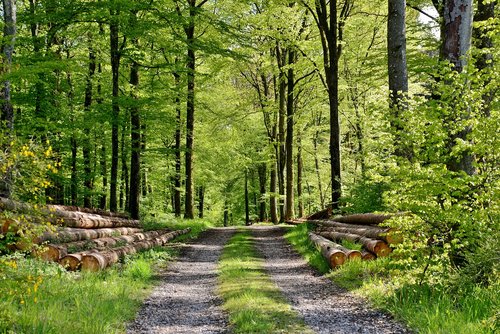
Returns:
(254,303)
(40,297)
(298,238)
(458,308)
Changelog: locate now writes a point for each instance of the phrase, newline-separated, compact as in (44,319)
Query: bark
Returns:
(201,201)
(135,157)
(368,256)
(65,235)
(281,146)
(262,170)
(115,70)
(178,124)
(6,107)
(300,167)
(375,246)
(56,252)
(124,179)
(88,210)
(272,189)
(189,30)
(101,260)
(247,206)
(104,175)
(87,168)
(386,234)
(323,214)
(318,172)
(483,42)
(330,251)
(289,203)
(363,219)
(398,74)
(74,171)
(456,31)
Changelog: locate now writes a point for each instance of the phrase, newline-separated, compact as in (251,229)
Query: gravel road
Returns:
(325,307)
(185,301)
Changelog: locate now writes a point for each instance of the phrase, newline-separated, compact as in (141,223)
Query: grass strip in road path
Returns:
(253,301)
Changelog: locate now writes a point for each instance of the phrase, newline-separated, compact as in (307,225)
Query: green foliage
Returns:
(254,303)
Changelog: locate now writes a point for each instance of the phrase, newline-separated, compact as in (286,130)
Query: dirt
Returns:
(186,300)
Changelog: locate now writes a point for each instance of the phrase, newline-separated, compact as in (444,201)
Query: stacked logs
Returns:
(363,229)
(83,238)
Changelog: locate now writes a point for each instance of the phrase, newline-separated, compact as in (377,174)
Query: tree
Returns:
(398,74)
(7,110)
(331,29)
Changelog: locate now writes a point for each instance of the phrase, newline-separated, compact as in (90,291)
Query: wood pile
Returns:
(83,238)
(362,229)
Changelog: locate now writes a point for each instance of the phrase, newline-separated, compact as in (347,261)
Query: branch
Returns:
(435,19)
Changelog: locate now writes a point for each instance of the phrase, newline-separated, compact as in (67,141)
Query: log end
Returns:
(353,255)
(382,249)
(367,256)
(71,262)
(337,258)
(50,253)
(93,262)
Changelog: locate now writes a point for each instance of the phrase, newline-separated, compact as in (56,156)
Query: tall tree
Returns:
(87,104)
(289,205)
(114,26)
(456,31)
(330,28)
(398,74)
(7,110)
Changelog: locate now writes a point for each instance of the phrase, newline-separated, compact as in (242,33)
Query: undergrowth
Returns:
(457,305)
(41,297)
(253,301)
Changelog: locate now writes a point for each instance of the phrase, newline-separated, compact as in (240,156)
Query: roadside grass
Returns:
(458,308)
(254,303)
(41,297)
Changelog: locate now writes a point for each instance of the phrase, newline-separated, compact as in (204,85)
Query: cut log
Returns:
(389,235)
(368,256)
(323,214)
(378,247)
(363,219)
(334,256)
(65,235)
(54,252)
(73,261)
(101,260)
(56,216)
(88,210)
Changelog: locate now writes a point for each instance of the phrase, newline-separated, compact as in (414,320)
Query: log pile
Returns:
(82,238)
(362,229)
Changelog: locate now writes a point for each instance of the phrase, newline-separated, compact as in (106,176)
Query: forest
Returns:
(241,111)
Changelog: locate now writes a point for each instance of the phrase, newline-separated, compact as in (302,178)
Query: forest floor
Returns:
(186,300)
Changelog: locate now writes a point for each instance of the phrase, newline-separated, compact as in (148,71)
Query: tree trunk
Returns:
(115,70)
(74,171)
(457,30)
(330,250)
(398,75)
(289,206)
(191,71)
(363,219)
(247,204)
(318,171)
(483,42)
(201,201)
(299,175)
(104,175)
(87,168)
(135,158)
(262,170)
(6,108)
(124,184)
(178,124)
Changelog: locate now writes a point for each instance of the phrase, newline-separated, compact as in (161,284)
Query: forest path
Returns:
(325,307)
(185,301)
